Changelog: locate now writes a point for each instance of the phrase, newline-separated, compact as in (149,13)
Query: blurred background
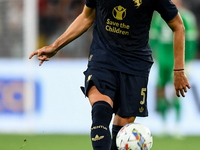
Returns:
(48,100)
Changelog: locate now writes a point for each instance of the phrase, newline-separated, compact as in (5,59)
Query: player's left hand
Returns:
(181,83)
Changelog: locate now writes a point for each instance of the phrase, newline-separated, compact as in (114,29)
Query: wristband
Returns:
(178,69)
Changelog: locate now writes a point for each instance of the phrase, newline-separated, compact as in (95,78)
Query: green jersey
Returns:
(161,37)
(161,42)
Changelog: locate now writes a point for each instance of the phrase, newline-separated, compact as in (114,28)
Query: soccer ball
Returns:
(134,137)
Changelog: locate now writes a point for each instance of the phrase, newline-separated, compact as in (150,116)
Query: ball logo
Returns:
(140,139)
(119,12)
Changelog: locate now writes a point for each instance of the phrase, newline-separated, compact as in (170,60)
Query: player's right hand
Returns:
(44,54)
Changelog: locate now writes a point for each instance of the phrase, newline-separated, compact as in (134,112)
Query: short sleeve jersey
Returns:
(121,33)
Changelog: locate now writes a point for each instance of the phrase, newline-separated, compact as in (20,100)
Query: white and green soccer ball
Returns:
(134,137)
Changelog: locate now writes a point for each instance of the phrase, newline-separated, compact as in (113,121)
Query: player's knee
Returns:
(94,95)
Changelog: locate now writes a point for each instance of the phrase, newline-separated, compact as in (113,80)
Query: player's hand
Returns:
(44,54)
(181,83)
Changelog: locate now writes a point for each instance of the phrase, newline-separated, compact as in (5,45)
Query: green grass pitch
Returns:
(82,142)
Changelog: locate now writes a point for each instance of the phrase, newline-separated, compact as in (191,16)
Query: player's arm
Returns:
(180,80)
(81,24)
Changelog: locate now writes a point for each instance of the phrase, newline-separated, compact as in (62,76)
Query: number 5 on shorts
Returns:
(143,94)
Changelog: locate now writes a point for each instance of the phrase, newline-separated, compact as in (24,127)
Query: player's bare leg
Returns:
(94,95)
(101,116)
(118,123)
(122,121)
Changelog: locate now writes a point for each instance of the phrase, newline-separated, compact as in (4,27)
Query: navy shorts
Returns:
(128,92)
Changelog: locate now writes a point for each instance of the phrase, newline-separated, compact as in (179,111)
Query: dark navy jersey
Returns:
(121,33)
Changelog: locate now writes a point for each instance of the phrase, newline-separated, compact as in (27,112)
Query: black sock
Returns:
(100,133)
(115,130)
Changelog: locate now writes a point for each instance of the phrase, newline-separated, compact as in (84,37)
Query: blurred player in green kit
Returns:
(161,42)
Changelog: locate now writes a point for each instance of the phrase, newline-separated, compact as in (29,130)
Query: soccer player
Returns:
(120,60)
(161,42)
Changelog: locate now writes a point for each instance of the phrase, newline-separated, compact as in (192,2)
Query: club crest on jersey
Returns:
(137,3)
